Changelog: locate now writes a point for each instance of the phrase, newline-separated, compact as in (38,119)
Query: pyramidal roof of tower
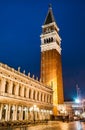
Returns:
(50,16)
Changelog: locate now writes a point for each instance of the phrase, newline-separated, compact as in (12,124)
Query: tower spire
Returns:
(50,17)
(50,6)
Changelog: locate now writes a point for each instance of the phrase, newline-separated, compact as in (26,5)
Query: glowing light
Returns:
(77,113)
(77,100)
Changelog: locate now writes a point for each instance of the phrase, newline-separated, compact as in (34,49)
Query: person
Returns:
(63,118)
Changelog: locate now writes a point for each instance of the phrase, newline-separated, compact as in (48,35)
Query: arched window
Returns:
(44,40)
(34,95)
(29,93)
(38,96)
(47,40)
(6,86)
(24,92)
(4,112)
(13,89)
(51,39)
(20,91)
(11,112)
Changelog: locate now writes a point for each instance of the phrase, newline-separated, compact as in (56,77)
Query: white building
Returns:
(23,97)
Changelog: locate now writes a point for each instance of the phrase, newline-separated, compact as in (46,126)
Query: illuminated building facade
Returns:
(23,97)
(51,67)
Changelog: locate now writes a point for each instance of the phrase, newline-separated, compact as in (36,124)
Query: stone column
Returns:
(46,98)
(26,114)
(28,92)
(22,91)
(9,112)
(39,115)
(42,96)
(44,112)
(39,96)
(48,115)
(6,113)
(19,113)
(42,115)
(29,116)
(3,85)
(17,89)
(35,115)
(15,118)
(1,108)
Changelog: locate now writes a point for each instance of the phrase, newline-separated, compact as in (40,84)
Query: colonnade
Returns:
(13,112)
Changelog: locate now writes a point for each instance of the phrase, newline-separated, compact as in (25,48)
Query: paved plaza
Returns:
(76,125)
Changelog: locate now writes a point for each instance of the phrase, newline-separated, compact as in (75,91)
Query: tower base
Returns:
(55,111)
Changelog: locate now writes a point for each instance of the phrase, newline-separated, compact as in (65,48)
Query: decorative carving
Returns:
(18,69)
(36,78)
(29,74)
(33,76)
(24,72)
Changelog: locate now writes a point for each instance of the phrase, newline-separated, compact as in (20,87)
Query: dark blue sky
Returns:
(20,29)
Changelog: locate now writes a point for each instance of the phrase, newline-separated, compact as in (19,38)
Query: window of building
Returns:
(44,40)
(47,41)
(51,39)
(34,95)
(6,87)
(24,92)
(3,112)
(13,89)
(11,112)
(29,93)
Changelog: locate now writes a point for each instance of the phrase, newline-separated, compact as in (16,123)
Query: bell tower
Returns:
(51,65)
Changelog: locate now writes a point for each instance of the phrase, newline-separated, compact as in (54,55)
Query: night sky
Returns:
(20,29)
